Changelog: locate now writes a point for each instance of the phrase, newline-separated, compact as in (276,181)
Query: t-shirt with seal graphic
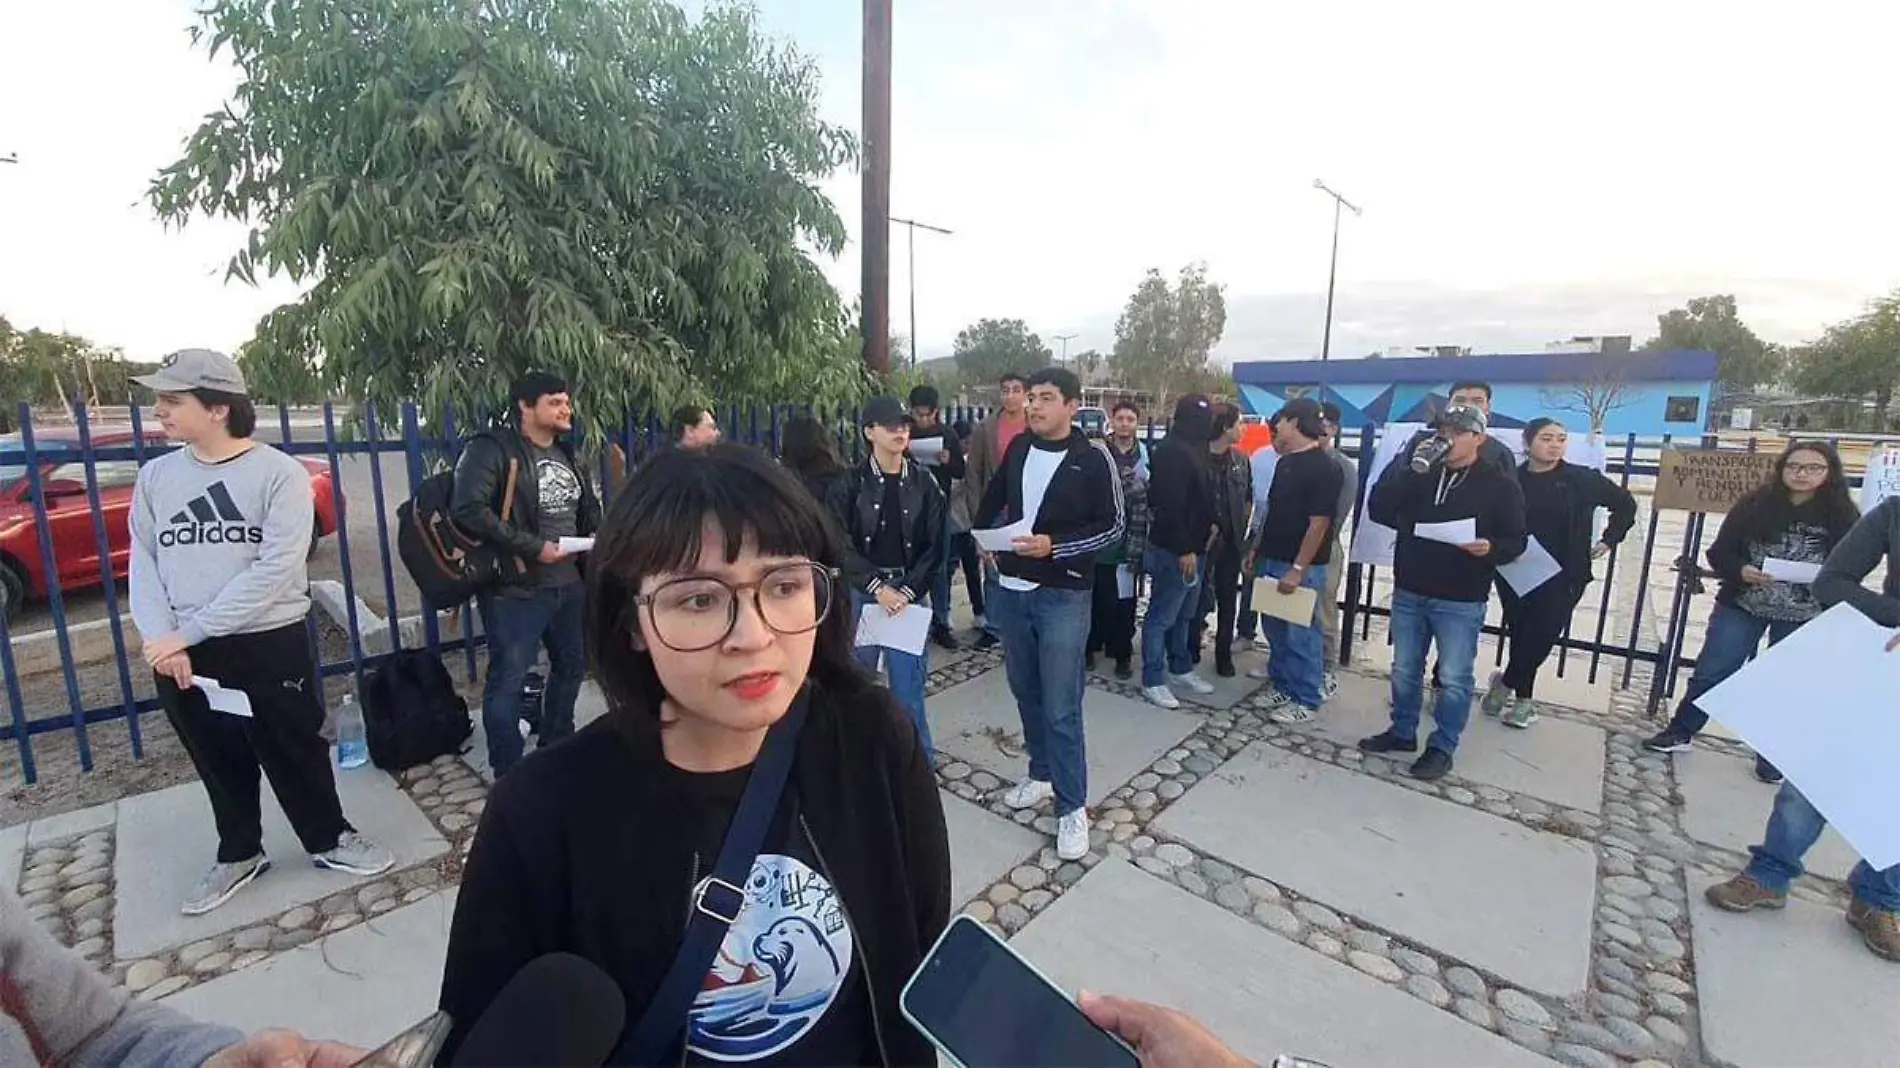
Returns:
(558,507)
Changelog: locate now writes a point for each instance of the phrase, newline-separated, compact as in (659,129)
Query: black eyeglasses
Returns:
(690,615)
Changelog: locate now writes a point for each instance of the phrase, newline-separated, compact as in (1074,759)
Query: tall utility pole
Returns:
(1332,272)
(913,224)
(1065,339)
(876,289)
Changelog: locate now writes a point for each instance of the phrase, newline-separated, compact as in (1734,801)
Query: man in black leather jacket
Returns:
(522,489)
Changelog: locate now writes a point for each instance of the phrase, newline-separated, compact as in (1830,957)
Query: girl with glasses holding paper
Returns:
(1768,552)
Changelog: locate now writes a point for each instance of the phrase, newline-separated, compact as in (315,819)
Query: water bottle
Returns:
(352,744)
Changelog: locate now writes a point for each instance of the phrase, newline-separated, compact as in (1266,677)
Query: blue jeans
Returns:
(1416,623)
(1045,632)
(1728,643)
(1793,828)
(517,629)
(908,674)
(1173,605)
(1297,664)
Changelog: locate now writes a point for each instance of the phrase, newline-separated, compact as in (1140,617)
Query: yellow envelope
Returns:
(1296,607)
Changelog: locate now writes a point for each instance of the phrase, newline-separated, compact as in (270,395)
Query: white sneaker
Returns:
(1330,688)
(1029,793)
(1072,835)
(1259,672)
(1193,682)
(1277,699)
(1261,643)
(1292,712)
(1161,696)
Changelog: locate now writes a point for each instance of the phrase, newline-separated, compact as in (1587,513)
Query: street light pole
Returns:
(1065,339)
(1332,272)
(876,284)
(912,225)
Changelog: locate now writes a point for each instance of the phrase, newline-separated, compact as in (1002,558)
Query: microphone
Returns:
(557,1011)
(1429,452)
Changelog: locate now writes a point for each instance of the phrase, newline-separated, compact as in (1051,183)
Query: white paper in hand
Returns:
(924,450)
(1453,532)
(1790,570)
(231,702)
(571,546)
(905,632)
(1530,570)
(1124,582)
(1833,732)
(1001,539)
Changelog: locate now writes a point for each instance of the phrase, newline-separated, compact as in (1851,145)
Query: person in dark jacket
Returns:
(891,513)
(522,490)
(714,607)
(1065,489)
(807,449)
(1118,569)
(1473,394)
(947,464)
(1441,587)
(1230,478)
(1180,531)
(1799,516)
(1560,505)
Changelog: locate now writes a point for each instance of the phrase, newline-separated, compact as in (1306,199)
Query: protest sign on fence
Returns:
(1710,480)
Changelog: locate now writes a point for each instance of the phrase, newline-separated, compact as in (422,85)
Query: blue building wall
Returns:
(1661,392)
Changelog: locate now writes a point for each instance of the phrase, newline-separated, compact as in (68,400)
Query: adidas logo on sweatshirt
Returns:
(211,518)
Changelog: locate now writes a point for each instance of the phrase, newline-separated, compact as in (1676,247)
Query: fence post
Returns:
(44,528)
(393,609)
(454,446)
(343,544)
(1355,573)
(82,419)
(412,455)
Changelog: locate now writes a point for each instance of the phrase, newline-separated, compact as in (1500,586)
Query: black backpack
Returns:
(449,564)
(411,712)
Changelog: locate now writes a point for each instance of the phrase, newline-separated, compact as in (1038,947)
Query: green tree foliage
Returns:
(606,189)
(59,370)
(1857,359)
(1165,332)
(994,347)
(1743,361)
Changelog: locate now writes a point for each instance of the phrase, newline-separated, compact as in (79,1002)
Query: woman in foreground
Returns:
(714,609)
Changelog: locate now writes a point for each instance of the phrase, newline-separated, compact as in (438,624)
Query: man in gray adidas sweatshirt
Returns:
(220,531)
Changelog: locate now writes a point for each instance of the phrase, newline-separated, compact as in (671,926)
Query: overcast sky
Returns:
(1527,172)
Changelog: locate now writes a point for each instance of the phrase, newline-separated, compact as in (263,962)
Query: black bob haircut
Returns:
(655,527)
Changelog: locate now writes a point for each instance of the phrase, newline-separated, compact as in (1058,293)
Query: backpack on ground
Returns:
(448,563)
(411,712)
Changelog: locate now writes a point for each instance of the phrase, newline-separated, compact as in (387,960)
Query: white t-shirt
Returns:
(1039,468)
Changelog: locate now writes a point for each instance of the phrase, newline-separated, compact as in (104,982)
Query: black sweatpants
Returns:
(963,551)
(1111,617)
(1536,623)
(1220,594)
(283,737)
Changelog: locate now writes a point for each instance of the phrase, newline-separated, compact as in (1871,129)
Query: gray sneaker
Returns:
(1497,697)
(222,882)
(356,855)
(1521,713)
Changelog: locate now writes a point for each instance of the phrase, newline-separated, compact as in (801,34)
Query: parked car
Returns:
(1091,421)
(69,513)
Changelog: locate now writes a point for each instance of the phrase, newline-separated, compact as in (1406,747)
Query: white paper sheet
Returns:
(1532,569)
(906,632)
(1790,570)
(571,546)
(1833,732)
(925,450)
(233,702)
(1296,607)
(999,539)
(1124,582)
(1454,532)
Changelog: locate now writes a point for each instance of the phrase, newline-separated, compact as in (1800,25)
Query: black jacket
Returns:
(1761,526)
(855,499)
(578,853)
(481,476)
(1560,507)
(1402,498)
(1081,511)
(1876,535)
(1180,495)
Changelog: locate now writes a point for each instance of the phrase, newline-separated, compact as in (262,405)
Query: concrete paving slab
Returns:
(1554,760)
(1227,692)
(166,841)
(1508,899)
(361,986)
(1572,688)
(72,824)
(1723,804)
(984,847)
(589,705)
(1125,932)
(969,720)
(12,856)
(1756,1013)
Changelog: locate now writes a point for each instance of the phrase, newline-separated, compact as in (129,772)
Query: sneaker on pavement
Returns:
(1193,682)
(1434,764)
(1497,696)
(222,882)
(1743,893)
(1521,713)
(1259,671)
(1387,742)
(945,637)
(986,640)
(1161,696)
(356,855)
(1261,643)
(1292,712)
(1330,688)
(1879,928)
(1029,793)
(1123,670)
(1072,835)
(1667,741)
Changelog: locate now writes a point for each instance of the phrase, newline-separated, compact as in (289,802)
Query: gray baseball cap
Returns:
(1462,417)
(189,369)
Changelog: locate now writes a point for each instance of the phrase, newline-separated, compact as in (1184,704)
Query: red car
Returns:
(69,513)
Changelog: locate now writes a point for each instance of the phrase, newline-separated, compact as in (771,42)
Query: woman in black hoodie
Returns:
(714,613)
(1798,516)
(1560,505)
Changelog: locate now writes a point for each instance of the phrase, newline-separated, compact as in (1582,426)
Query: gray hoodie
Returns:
(1877,534)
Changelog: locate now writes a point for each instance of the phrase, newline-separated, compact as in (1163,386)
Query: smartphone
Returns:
(984,1006)
(414,1048)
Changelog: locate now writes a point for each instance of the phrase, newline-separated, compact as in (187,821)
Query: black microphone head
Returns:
(559,1010)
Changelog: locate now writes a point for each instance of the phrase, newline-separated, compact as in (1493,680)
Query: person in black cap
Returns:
(891,512)
(1294,546)
(1442,586)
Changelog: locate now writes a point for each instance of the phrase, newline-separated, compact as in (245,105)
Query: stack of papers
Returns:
(1002,539)
(230,702)
(904,632)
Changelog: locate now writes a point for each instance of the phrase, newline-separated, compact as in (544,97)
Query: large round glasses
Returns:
(694,614)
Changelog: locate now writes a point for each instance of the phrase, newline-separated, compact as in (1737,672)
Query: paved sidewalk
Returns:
(1541,904)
